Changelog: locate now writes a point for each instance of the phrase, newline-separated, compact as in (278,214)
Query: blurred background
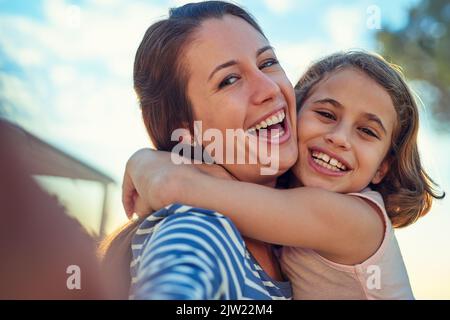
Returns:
(66,80)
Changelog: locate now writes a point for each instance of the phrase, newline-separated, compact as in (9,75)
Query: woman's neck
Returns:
(263,254)
(294,182)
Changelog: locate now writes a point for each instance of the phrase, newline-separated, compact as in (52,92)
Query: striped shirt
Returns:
(182,252)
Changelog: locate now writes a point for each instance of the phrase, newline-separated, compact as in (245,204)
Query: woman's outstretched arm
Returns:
(336,225)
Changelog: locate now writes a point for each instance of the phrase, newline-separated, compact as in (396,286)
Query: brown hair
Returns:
(115,255)
(407,190)
(160,81)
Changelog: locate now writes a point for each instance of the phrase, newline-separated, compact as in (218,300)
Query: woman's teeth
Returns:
(270,121)
(328,162)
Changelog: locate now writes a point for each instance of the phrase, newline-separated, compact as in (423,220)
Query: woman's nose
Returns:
(263,87)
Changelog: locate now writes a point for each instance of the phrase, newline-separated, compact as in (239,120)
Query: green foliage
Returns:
(422,48)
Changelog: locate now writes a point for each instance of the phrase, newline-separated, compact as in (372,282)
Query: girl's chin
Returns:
(319,183)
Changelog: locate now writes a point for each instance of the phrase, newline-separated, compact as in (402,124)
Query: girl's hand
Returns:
(147,174)
(152,181)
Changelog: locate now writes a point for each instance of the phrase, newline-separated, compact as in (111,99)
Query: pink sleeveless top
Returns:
(382,276)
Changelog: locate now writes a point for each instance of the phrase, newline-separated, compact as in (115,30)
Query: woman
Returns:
(183,69)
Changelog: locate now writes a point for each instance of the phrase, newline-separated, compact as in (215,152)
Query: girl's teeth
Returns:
(328,162)
(334,162)
(324,157)
(326,165)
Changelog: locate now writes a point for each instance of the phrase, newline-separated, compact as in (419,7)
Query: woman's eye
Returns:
(228,81)
(327,115)
(369,132)
(268,63)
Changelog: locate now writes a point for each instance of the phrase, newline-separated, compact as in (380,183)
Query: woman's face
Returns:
(344,133)
(236,82)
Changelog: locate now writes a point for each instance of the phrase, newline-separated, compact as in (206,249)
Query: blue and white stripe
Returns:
(182,252)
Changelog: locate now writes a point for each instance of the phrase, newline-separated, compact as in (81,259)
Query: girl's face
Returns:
(236,82)
(344,133)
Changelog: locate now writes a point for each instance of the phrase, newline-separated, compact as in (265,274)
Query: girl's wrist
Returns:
(174,182)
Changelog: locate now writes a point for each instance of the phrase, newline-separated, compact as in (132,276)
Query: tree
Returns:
(422,48)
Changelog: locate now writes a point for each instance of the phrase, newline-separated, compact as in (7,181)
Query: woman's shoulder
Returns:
(185,220)
(178,213)
(186,231)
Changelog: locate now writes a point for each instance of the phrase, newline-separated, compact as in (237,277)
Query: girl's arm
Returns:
(343,228)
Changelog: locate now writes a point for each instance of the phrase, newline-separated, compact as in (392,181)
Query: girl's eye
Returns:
(268,63)
(228,81)
(369,132)
(326,114)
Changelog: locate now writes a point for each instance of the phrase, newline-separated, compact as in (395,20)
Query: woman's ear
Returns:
(186,136)
(381,172)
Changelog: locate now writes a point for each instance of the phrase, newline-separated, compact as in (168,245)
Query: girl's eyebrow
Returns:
(374,118)
(369,116)
(234,62)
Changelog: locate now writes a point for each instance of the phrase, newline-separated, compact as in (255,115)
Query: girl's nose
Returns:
(339,137)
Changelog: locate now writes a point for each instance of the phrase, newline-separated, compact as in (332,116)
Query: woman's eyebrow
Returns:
(234,62)
(369,116)
(263,49)
(222,66)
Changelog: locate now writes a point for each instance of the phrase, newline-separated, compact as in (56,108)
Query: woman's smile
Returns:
(273,128)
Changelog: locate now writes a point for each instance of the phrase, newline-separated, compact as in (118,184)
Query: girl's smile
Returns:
(327,163)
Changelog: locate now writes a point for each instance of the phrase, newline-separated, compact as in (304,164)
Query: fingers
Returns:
(141,208)
(128,195)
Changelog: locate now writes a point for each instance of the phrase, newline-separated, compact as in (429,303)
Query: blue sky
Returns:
(66,76)
(66,65)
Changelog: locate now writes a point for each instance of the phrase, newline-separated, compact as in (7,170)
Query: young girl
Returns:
(358,175)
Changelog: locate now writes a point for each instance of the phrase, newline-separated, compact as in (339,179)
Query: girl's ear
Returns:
(381,172)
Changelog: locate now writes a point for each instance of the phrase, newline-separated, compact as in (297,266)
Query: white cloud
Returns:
(92,112)
(16,92)
(345,25)
(296,58)
(279,6)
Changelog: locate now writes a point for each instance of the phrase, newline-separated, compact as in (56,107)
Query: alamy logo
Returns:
(374,279)
(237,147)
(74,280)
(373,17)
